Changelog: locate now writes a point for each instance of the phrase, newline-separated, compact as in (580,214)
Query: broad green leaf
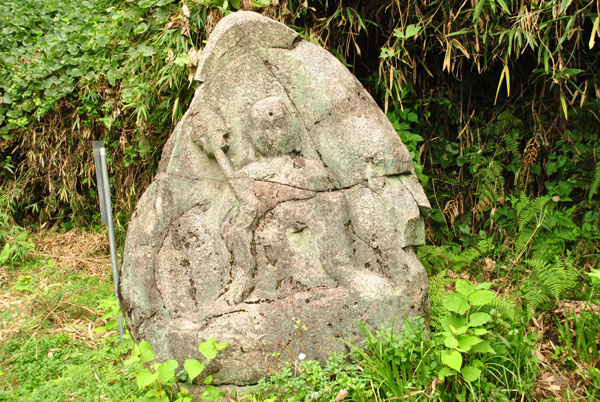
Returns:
(146,352)
(466,342)
(480,331)
(181,60)
(470,373)
(132,360)
(452,359)
(450,342)
(594,273)
(261,3)
(145,378)
(141,28)
(483,347)
(456,303)
(145,3)
(483,286)
(464,287)
(193,368)
(111,75)
(166,371)
(235,3)
(222,346)
(445,372)
(478,319)
(411,31)
(208,348)
(482,297)
(210,393)
(102,40)
(449,322)
(208,380)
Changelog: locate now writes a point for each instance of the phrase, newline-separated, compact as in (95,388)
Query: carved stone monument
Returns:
(284,195)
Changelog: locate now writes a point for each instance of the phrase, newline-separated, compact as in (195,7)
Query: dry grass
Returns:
(76,251)
(49,301)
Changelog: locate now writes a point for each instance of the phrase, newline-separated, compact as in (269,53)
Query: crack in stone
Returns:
(225,313)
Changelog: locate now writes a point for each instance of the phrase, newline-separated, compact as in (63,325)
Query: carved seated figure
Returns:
(284,194)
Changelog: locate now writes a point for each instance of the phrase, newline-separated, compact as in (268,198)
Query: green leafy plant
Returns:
(305,380)
(400,364)
(465,332)
(160,381)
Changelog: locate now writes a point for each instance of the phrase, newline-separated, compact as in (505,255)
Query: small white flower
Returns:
(314,395)
(301,356)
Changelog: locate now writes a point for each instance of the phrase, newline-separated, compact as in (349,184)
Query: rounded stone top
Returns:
(242,30)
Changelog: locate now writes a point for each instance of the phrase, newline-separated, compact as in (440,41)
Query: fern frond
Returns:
(533,211)
(595,186)
(508,308)
(523,238)
(549,280)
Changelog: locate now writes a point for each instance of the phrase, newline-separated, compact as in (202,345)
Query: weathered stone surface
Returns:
(284,194)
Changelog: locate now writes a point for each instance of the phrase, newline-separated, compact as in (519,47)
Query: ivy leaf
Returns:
(483,347)
(449,322)
(464,287)
(210,393)
(222,346)
(132,360)
(145,3)
(146,352)
(478,319)
(208,380)
(466,342)
(470,373)
(102,40)
(411,31)
(145,378)
(452,359)
(482,297)
(181,60)
(445,372)
(166,371)
(450,342)
(141,28)
(193,368)
(208,348)
(456,303)
(111,75)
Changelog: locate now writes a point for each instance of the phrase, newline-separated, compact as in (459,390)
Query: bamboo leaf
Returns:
(447,56)
(567,31)
(594,30)
(563,103)
(477,10)
(504,76)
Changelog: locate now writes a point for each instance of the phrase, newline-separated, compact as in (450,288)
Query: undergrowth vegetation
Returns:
(498,102)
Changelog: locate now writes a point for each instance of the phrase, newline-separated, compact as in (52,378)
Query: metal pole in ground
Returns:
(106,214)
